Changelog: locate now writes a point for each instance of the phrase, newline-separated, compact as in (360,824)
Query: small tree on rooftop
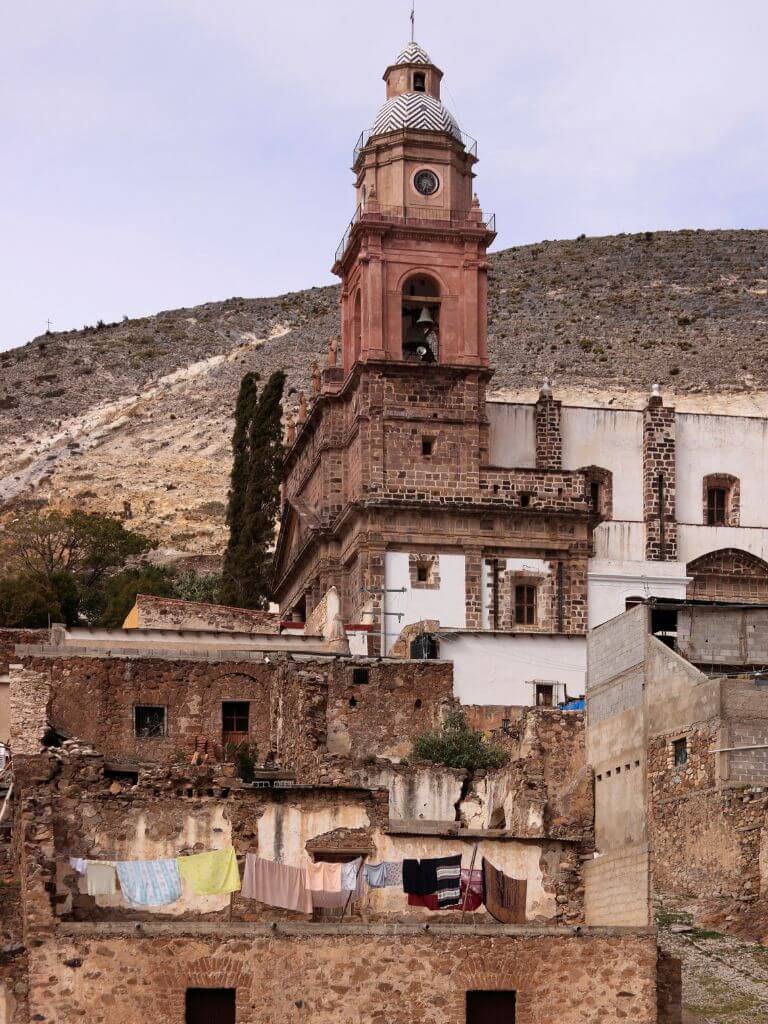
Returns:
(254,494)
(457,746)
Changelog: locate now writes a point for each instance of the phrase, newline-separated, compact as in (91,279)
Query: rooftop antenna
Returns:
(413,19)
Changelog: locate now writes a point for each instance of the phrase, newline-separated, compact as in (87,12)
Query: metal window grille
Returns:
(148,721)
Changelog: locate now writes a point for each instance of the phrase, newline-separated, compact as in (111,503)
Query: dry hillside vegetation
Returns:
(135,417)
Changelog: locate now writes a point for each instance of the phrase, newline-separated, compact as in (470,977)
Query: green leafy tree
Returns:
(85,545)
(58,564)
(118,594)
(254,495)
(28,603)
(457,746)
(194,586)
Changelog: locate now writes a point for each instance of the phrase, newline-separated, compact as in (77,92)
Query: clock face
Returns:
(426,182)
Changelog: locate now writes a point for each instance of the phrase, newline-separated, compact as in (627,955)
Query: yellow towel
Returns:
(209,874)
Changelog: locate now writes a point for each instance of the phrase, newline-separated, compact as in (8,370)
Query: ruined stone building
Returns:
(678,742)
(107,733)
(510,527)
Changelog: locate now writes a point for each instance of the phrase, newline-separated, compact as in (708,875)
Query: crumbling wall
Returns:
(546,789)
(28,709)
(10,637)
(369,708)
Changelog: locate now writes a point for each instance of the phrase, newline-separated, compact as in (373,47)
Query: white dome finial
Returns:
(546,388)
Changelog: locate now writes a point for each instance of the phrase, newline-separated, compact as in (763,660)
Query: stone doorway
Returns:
(210,1006)
(492,1007)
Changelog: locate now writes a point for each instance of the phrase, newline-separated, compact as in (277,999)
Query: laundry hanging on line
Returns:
(276,885)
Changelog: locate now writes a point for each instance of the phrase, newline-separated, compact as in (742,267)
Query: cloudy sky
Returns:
(162,153)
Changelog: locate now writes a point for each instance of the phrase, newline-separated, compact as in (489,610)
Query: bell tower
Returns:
(413,259)
(389,492)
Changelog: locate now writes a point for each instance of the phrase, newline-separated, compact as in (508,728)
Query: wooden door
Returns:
(210,1006)
(490,1008)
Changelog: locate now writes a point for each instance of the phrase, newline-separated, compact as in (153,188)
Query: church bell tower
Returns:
(390,496)
(413,260)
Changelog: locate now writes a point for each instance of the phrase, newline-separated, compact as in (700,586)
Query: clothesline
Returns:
(433,883)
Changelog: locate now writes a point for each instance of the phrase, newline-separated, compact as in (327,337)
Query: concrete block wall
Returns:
(616,646)
(617,888)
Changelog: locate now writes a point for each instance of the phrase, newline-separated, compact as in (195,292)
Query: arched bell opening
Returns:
(421,319)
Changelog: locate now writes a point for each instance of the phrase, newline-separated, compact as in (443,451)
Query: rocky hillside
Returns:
(134,417)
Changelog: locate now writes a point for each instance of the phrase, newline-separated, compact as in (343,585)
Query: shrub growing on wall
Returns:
(457,746)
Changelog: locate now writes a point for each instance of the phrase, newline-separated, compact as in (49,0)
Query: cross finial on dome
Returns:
(413,19)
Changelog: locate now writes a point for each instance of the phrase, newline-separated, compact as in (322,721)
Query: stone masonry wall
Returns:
(296,709)
(168,613)
(10,637)
(659,461)
(344,974)
(549,440)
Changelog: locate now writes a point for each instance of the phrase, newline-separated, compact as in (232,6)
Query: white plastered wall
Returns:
(512,435)
(446,603)
(721,444)
(499,668)
(613,440)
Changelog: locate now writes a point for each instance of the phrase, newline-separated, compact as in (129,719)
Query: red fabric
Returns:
(474,900)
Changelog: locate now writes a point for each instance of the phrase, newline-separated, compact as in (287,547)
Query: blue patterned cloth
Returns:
(149,883)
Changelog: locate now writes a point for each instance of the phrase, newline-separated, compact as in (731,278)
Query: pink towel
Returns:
(323,877)
(276,885)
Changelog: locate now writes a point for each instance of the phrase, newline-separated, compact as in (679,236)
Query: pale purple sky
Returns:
(163,153)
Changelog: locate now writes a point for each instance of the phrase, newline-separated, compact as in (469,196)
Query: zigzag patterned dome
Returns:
(415,110)
(413,54)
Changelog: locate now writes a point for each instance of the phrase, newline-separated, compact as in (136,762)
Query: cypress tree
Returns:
(254,495)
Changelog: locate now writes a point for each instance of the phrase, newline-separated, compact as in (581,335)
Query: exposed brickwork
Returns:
(359,471)
(659,475)
(549,441)
(728,575)
(732,487)
(424,571)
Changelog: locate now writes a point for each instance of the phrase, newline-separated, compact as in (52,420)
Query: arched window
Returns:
(721,500)
(419,81)
(357,326)
(421,319)
(728,575)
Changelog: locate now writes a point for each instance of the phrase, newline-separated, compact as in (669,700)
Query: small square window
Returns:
(422,574)
(361,676)
(680,752)
(149,721)
(427,445)
(234,716)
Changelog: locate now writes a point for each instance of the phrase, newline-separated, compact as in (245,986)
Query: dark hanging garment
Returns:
(440,876)
(412,881)
(447,880)
(504,896)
